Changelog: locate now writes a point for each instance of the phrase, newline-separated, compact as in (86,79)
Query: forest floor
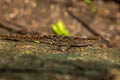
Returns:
(33,61)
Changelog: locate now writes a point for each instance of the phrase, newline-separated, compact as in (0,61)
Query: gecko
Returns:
(58,40)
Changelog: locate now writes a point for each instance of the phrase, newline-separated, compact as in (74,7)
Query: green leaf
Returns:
(60,29)
(37,41)
(61,26)
(56,29)
(27,52)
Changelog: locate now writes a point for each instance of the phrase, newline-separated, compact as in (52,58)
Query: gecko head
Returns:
(104,40)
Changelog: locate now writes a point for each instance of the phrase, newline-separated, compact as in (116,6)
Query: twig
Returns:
(83,23)
(12,27)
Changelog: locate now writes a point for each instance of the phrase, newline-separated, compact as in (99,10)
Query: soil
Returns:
(37,16)
(33,61)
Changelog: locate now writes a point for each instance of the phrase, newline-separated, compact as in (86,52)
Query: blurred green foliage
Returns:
(91,4)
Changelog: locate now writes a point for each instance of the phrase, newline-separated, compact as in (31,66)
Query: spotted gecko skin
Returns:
(56,39)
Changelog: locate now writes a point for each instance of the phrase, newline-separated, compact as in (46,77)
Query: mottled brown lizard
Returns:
(57,40)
